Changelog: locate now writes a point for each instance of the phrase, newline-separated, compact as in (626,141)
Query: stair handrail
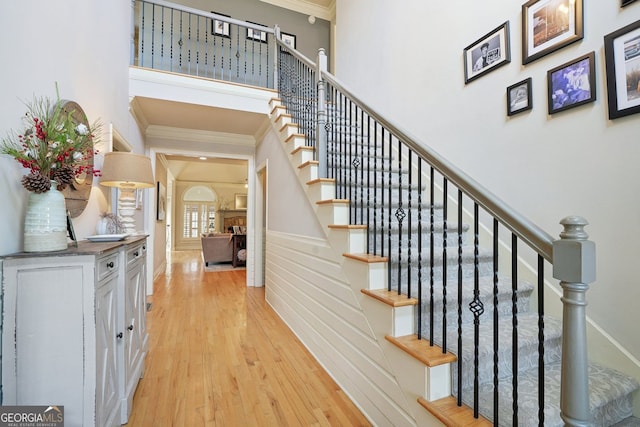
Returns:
(536,237)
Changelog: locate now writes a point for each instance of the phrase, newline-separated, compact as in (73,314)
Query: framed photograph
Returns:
(519,97)
(161,202)
(622,58)
(256,35)
(487,53)
(548,25)
(289,40)
(219,27)
(623,3)
(572,84)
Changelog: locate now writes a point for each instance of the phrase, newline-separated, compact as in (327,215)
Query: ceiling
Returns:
(171,114)
(158,112)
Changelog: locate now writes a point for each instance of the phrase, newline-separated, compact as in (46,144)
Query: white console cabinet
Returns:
(74,330)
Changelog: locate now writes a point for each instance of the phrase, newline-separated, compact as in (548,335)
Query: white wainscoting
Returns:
(306,286)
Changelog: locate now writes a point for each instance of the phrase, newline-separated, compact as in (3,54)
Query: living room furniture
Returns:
(75,329)
(239,244)
(217,247)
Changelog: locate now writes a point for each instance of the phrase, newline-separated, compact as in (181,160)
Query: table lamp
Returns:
(127,172)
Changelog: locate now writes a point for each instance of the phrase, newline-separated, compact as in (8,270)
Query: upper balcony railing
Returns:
(175,38)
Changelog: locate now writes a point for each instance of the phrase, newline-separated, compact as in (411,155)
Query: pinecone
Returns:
(36,183)
(64,175)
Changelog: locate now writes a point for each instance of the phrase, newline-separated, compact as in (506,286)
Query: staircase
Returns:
(445,314)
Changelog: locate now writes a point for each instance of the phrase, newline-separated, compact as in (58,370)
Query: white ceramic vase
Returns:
(45,222)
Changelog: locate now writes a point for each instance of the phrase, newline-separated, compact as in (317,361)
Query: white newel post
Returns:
(321,131)
(574,261)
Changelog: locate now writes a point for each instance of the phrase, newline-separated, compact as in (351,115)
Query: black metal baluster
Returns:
(409,217)
(459,297)
(445,213)
(476,307)
(419,320)
(142,32)
(400,215)
(431,256)
(496,343)
(540,340)
(189,43)
(514,320)
(389,201)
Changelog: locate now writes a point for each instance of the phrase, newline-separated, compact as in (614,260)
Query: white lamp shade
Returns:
(126,170)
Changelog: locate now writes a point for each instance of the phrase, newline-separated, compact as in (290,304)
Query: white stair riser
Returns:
(348,240)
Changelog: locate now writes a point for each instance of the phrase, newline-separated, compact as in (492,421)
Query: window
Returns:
(199,214)
(198,218)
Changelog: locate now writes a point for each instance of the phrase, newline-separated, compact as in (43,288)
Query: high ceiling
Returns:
(169,114)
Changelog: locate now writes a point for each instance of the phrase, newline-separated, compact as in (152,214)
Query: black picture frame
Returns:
(519,97)
(478,61)
(256,35)
(572,83)
(544,30)
(161,201)
(624,3)
(622,62)
(219,27)
(70,231)
(288,39)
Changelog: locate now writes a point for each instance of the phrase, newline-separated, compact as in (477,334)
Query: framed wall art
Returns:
(548,25)
(519,97)
(572,84)
(161,202)
(487,53)
(256,35)
(219,27)
(622,58)
(288,39)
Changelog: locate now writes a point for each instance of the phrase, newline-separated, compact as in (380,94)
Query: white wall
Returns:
(407,63)
(42,43)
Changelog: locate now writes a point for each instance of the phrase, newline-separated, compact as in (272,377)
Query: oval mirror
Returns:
(77,192)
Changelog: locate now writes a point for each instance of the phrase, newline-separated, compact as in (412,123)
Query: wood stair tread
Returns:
(452,415)
(332,201)
(348,226)
(391,298)
(368,258)
(308,163)
(421,350)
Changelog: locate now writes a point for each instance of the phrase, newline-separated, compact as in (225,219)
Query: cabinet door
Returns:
(107,338)
(134,329)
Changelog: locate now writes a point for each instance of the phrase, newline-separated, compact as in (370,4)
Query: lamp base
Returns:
(127,209)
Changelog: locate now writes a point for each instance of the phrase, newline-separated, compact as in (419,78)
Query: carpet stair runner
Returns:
(610,391)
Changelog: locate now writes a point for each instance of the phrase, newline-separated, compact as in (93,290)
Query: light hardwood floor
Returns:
(220,356)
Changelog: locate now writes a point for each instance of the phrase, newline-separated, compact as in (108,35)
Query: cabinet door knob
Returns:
(130,327)
(120,335)
(110,264)
(136,253)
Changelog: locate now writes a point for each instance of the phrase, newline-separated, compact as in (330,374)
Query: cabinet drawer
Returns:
(136,253)
(107,265)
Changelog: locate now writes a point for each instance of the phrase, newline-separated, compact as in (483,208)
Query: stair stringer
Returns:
(316,268)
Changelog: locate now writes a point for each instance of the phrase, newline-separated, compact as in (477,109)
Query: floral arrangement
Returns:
(53,146)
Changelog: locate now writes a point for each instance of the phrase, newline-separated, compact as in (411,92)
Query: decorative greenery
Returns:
(53,146)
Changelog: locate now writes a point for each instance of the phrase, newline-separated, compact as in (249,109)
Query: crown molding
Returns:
(327,13)
(199,136)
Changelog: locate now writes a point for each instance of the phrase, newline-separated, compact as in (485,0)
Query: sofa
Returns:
(217,247)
